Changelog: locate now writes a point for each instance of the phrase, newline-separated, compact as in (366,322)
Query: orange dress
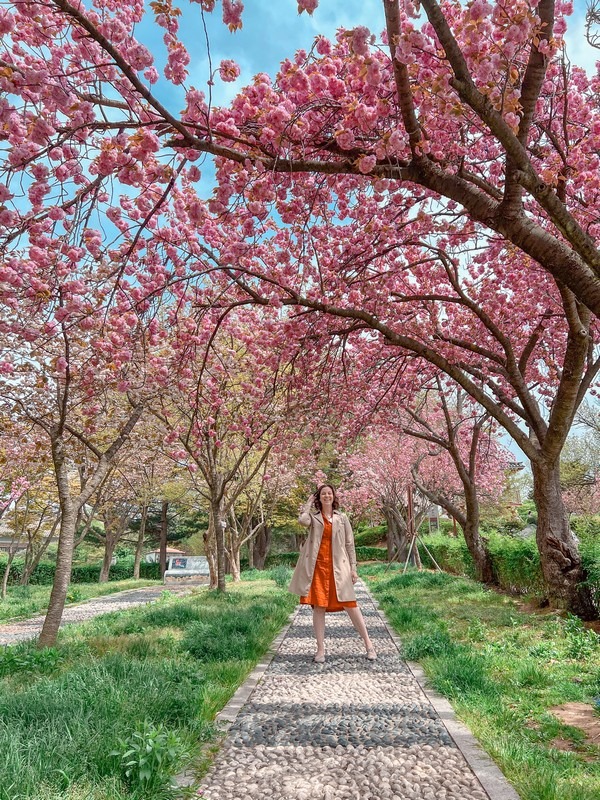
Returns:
(322,591)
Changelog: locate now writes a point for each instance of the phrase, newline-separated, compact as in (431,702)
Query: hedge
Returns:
(86,573)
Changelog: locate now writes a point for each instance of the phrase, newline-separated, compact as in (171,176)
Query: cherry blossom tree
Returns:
(225,409)
(464,437)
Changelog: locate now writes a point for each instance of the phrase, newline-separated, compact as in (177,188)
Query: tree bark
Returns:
(140,543)
(64,556)
(109,549)
(234,562)
(261,546)
(560,560)
(219,528)
(469,522)
(210,553)
(251,553)
(484,568)
(6,575)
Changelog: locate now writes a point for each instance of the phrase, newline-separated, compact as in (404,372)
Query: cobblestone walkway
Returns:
(349,729)
(13,632)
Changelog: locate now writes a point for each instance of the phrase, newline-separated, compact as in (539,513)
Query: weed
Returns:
(581,642)
(281,575)
(25,657)
(149,756)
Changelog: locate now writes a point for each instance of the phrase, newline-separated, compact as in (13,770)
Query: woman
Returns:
(326,570)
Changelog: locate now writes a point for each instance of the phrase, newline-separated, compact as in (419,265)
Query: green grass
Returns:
(155,674)
(503,670)
(28,601)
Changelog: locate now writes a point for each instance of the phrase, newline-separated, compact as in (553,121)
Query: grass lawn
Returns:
(127,700)
(509,675)
(28,601)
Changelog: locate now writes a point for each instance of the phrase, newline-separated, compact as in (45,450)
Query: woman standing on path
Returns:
(326,570)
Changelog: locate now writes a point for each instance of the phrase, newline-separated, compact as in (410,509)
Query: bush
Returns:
(450,553)
(43,574)
(370,537)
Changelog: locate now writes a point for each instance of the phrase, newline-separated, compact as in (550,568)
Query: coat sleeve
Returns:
(349,542)
(304,518)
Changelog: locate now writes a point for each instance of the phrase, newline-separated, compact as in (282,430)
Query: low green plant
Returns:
(281,574)
(26,658)
(432,642)
(74,594)
(581,642)
(149,756)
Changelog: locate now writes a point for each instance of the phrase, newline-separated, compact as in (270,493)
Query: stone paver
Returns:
(349,729)
(13,632)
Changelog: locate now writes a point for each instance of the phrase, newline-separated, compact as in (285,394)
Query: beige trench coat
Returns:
(342,552)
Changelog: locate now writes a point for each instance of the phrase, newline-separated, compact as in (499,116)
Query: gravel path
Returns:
(13,632)
(349,729)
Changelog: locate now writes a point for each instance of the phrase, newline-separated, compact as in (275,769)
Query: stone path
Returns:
(349,729)
(13,632)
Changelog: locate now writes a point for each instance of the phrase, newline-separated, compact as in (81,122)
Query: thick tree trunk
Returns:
(62,575)
(251,552)
(164,528)
(140,544)
(559,554)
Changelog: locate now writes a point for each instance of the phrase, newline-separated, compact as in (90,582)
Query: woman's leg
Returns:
(319,628)
(359,625)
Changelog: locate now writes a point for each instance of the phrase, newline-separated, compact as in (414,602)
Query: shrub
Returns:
(43,574)
(370,537)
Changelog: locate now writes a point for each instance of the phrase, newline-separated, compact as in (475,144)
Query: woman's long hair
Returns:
(317,499)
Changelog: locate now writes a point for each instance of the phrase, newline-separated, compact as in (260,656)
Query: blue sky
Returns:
(273,30)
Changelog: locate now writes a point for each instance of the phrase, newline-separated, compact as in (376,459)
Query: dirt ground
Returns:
(577,715)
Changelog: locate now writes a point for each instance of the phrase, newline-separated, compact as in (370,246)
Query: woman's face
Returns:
(326,496)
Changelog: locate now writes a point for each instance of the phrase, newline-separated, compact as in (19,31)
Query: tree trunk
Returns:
(559,555)
(219,528)
(262,546)
(164,528)
(140,543)
(251,552)
(391,537)
(109,549)
(6,575)
(484,568)
(234,562)
(62,575)
(469,522)
(211,553)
